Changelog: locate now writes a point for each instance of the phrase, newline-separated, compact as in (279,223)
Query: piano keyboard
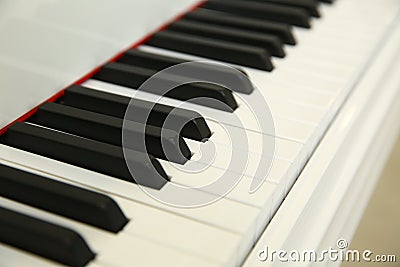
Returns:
(67,196)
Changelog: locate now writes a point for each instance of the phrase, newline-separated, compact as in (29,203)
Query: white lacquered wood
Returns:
(48,44)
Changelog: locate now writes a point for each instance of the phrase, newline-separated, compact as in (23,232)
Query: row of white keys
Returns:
(111,185)
(229,159)
(266,199)
(137,251)
(281,171)
(346,37)
(238,218)
(181,230)
(125,248)
(178,233)
(223,136)
(289,156)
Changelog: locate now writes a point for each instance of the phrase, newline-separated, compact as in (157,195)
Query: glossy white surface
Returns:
(45,45)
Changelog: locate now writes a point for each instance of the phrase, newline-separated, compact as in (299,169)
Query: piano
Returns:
(101,166)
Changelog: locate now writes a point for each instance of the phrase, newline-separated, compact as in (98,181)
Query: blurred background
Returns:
(379,229)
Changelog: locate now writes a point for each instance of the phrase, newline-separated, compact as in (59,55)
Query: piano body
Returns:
(67,68)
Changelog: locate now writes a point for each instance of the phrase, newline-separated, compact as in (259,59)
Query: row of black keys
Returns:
(98,117)
(49,240)
(85,129)
(88,134)
(93,121)
(89,125)
(219,30)
(243,32)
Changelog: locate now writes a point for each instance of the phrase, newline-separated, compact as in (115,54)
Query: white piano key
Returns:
(11,256)
(321,66)
(295,111)
(267,198)
(141,252)
(226,159)
(282,90)
(179,232)
(284,149)
(278,173)
(338,59)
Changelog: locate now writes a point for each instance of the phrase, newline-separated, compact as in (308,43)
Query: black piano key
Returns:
(44,239)
(193,124)
(169,146)
(311,6)
(327,1)
(85,153)
(240,54)
(272,43)
(291,15)
(76,203)
(148,60)
(200,93)
(157,62)
(281,30)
